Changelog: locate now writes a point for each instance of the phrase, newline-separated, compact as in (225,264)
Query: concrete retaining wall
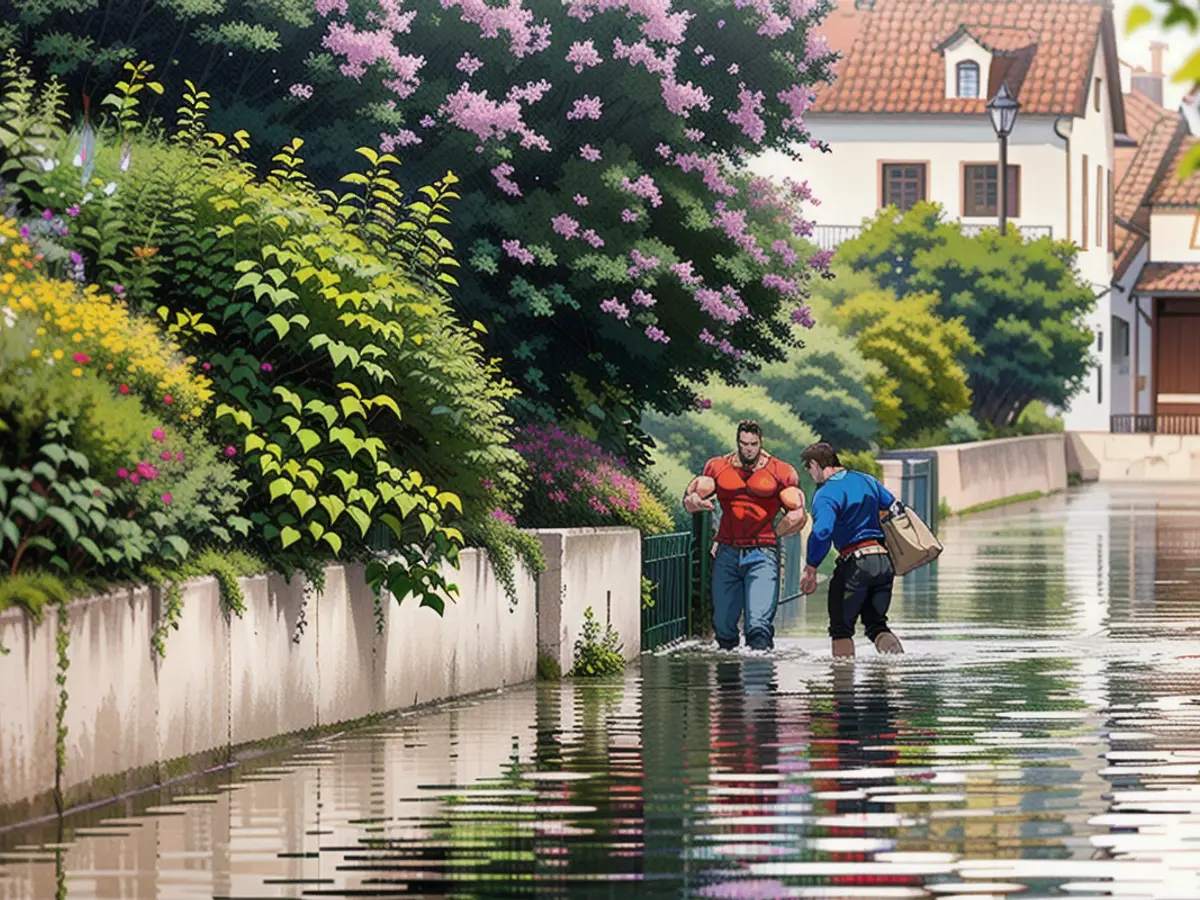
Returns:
(295,660)
(599,568)
(986,471)
(1100,456)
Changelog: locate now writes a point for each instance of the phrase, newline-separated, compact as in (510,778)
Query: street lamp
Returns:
(1003,110)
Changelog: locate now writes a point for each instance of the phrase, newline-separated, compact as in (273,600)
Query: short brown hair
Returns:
(749,426)
(822,454)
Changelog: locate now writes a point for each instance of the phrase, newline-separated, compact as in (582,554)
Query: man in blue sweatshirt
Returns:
(846,512)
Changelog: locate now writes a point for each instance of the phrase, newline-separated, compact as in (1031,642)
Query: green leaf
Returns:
(280,324)
(1138,17)
(55,452)
(333,540)
(1190,162)
(303,501)
(26,508)
(90,546)
(350,406)
(178,544)
(361,519)
(1189,72)
(289,536)
(254,442)
(307,438)
(334,506)
(316,529)
(279,487)
(434,602)
(446,498)
(65,520)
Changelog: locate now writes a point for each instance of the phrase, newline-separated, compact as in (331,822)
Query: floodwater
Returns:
(1040,739)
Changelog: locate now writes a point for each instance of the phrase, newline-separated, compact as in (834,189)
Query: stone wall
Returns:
(296,660)
(600,568)
(986,471)
(1100,456)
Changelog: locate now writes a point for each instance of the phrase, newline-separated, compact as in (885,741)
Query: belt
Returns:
(862,548)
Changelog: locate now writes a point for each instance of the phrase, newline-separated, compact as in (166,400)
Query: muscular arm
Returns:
(824,517)
(796,516)
(699,494)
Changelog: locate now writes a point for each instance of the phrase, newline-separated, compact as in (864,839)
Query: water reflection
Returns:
(1039,739)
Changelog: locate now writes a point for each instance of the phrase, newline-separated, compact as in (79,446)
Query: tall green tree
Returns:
(1022,302)
(921,355)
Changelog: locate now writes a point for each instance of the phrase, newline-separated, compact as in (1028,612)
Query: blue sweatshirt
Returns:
(845,511)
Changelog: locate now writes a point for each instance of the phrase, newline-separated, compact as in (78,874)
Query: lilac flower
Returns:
(585,108)
(514,249)
(427,121)
(747,115)
(469,64)
(405,137)
(657,334)
(565,226)
(644,187)
(615,307)
(733,69)
(584,55)
(642,298)
(580,200)
(590,153)
(590,236)
(301,91)
(693,134)
(821,260)
(628,215)
(802,316)
(506,184)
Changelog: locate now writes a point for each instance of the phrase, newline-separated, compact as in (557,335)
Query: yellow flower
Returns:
(58,354)
(77,371)
(36,353)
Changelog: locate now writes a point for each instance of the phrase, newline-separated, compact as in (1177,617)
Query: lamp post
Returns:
(1003,109)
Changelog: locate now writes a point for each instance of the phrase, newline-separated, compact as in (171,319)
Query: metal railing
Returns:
(667,561)
(828,237)
(1171,423)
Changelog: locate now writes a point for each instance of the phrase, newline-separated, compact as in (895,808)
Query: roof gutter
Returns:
(1066,139)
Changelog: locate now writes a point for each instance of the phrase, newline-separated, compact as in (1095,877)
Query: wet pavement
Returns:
(1040,739)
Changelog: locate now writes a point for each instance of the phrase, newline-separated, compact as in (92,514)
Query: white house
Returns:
(906,119)
(1156,364)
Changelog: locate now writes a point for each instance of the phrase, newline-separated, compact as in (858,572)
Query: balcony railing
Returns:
(828,237)
(1175,423)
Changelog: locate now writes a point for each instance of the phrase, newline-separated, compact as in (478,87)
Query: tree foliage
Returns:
(1022,302)
(582,132)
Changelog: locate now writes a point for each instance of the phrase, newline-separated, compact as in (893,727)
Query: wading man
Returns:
(752,487)
(846,511)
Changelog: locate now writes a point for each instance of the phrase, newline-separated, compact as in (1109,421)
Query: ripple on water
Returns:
(1041,738)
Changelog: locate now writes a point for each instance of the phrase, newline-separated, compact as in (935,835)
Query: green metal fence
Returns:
(667,562)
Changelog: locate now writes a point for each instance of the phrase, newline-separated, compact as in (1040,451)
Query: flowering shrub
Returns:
(84,329)
(575,482)
(647,111)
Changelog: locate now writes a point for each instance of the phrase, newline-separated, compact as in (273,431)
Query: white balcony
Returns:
(827,237)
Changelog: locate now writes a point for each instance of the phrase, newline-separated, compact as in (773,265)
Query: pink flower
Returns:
(585,107)
(206,367)
(47,214)
(82,358)
(657,335)
(266,367)
(628,215)
(73,210)
(168,399)
(135,478)
(167,455)
(584,55)
(166,498)
(179,457)
(469,64)
(231,451)
(124,389)
(158,434)
(486,483)
(503,517)
(580,200)
(590,153)
(427,122)
(122,474)
(118,288)
(565,225)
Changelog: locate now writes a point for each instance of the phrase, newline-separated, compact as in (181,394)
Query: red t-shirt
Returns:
(749,499)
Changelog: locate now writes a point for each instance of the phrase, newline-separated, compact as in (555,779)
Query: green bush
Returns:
(597,653)
(346,392)
(861,461)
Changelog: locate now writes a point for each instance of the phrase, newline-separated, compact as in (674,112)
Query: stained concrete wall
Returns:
(1100,456)
(599,568)
(288,664)
(985,471)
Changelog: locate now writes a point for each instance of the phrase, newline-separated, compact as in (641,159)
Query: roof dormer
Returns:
(977,58)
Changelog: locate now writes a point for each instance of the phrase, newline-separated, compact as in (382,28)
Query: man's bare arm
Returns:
(699,494)
(793,521)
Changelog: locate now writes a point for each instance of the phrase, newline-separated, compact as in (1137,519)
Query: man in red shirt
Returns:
(752,487)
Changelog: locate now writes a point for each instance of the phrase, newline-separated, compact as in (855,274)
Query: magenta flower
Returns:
(158,434)
(231,451)
(179,457)
(206,367)
(73,210)
(168,399)
(266,367)
(580,200)
(628,215)
(657,335)
(135,478)
(167,455)
(590,153)
(166,498)
(122,474)
(118,288)
(82,359)
(47,214)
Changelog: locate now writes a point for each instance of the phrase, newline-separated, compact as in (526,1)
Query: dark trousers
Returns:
(860,587)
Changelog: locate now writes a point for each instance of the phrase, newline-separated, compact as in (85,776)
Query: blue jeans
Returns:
(745,579)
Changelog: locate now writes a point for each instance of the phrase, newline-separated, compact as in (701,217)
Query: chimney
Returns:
(1156,57)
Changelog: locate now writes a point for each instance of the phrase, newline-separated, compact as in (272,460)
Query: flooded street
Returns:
(1040,739)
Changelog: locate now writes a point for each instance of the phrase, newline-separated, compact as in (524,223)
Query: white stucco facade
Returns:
(1065,166)
(1174,236)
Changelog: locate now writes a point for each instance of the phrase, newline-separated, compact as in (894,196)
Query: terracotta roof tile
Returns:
(1129,244)
(1147,170)
(1142,114)
(1169,278)
(1171,191)
(894,64)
